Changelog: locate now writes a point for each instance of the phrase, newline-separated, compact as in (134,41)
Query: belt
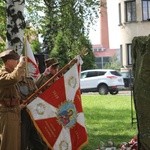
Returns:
(9,103)
(14,109)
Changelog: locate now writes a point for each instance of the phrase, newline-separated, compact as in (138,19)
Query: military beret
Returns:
(9,54)
(51,62)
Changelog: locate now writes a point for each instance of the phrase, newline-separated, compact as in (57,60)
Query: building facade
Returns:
(104,34)
(134,20)
(103,55)
(102,51)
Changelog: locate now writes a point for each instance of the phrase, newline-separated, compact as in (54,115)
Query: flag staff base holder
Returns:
(133,118)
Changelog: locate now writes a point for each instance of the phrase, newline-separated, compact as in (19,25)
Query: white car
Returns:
(102,81)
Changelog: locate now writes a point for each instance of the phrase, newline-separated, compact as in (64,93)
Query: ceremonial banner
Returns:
(32,67)
(58,113)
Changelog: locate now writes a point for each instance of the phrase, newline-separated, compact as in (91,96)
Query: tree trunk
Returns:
(15,24)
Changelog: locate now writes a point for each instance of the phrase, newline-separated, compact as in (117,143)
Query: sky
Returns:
(112,25)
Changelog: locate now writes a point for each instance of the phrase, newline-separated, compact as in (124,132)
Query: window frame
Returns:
(91,74)
(129,58)
(121,55)
(131,17)
(148,10)
(119,9)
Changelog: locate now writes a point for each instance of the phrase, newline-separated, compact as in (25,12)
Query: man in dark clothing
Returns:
(30,138)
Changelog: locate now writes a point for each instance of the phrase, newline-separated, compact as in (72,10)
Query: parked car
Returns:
(103,81)
(127,77)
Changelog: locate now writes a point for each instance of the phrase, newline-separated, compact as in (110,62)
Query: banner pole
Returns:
(62,71)
(25,53)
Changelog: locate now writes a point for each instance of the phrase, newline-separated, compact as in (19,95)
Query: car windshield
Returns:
(116,73)
(126,75)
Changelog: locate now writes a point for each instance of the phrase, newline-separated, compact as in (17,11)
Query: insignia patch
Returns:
(24,89)
(72,81)
(40,108)
(67,114)
(63,145)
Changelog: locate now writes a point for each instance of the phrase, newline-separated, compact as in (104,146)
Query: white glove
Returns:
(22,59)
(47,71)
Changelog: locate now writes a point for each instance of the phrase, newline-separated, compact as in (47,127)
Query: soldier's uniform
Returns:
(30,138)
(43,79)
(47,74)
(9,103)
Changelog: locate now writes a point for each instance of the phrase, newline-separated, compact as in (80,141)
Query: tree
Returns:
(12,25)
(113,63)
(15,24)
(32,35)
(65,33)
(89,59)
(2,25)
(66,21)
(50,26)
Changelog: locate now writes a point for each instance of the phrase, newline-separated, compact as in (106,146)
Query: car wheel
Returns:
(103,90)
(114,92)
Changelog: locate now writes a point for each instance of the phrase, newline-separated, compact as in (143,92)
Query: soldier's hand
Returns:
(22,59)
(47,71)
(23,105)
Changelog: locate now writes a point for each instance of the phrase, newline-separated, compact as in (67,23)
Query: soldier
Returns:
(30,138)
(52,66)
(10,74)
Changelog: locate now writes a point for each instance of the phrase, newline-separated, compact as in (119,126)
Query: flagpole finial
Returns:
(84,52)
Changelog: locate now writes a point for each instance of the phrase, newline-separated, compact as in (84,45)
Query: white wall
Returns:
(113,21)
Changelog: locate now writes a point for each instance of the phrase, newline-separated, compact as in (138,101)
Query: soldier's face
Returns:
(12,63)
(54,70)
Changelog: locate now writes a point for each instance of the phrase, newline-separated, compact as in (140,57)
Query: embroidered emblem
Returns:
(67,114)
(40,108)
(24,90)
(63,145)
(72,82)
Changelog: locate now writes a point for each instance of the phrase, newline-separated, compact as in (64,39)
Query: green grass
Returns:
(107,117)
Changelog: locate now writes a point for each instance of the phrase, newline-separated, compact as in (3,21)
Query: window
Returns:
(129,54)
(92,74)
(146,9)
(83,75)
(121,55)
(106,60)
(98,61)
(119,13)
(130,8)
(116,73)
(101,73)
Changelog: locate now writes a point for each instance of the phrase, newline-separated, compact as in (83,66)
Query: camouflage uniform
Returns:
(43,79)
(9,108)
(30,138)
(50,62)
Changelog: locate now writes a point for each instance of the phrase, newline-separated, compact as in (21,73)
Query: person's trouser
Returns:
(30,138)
(10,128)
